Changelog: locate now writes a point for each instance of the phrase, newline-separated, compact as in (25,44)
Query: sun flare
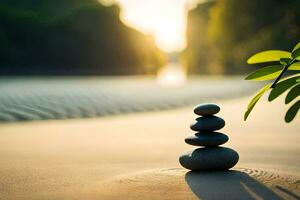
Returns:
(164,19)
(171,75)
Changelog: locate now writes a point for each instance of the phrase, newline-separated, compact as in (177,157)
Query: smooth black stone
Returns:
(206,109)
(207,139)
(208,123)
(210,158)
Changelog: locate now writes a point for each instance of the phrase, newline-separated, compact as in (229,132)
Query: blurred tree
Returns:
(71,37)
(222,34)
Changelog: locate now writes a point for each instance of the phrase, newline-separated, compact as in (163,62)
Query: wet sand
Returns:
(72,159)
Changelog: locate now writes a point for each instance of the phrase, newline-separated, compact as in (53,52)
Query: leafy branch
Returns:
(284,61)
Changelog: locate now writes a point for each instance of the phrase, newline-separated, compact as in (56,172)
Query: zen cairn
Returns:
(210,156)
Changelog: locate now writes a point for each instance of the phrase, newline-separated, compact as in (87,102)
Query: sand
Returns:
(40,98)
(177,184)
(74,159)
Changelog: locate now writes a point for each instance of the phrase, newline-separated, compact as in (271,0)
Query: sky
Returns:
(165,20)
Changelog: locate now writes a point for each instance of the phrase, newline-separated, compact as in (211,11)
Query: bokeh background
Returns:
(113,37)
(88,58)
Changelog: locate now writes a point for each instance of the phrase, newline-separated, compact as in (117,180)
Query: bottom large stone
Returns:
(212,158)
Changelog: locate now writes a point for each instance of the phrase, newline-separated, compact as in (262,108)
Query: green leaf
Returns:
(293,94)
(297,46)
(294,66)
(255,99)
(266,73)
(268,56)
(292,112)
(285,61)
(296,54)
(282,86)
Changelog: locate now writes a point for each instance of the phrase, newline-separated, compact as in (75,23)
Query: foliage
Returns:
(285,61)
(71,37)
(222,34)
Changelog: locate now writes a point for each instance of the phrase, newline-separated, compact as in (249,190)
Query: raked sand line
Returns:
(175,184)
(26,99)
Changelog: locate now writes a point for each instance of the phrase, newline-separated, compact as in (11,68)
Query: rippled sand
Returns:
(27,99)
(72,159)
(178,184)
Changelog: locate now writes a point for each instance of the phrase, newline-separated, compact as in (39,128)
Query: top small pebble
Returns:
(206,109)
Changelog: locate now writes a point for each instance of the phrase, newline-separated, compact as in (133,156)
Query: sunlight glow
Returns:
(164,19)
(171,75)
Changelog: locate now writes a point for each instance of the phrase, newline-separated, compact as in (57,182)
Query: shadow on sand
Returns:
(228,185)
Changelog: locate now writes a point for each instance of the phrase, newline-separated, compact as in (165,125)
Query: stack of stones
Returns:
(210,156)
